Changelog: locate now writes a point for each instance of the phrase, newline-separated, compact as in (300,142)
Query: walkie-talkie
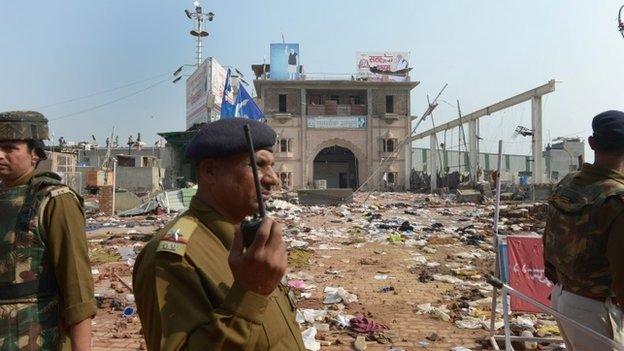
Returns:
(250,227)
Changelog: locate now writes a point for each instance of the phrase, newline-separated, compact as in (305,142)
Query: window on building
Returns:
(286,145)
(335,98)
(389,145)
(316,99)
(355,100)
(392,177)
(282,103)
(389,104)
(285,179)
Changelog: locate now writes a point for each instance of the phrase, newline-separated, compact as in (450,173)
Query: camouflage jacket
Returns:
(29,299)
(577,232)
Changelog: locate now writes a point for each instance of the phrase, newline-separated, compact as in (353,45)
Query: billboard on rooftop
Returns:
(204,93)
(284,61)
(383,66)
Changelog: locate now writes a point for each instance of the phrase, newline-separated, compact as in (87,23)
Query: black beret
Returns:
(609,129)
(226,137)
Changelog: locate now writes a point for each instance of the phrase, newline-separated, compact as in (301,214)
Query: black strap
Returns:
(39,288)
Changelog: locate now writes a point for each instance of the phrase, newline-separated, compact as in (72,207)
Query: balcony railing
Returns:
(331,108)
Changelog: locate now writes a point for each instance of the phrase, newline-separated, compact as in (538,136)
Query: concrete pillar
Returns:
(432,163)
(408,145)
(473,150)
(303,140)
(536,125)
(371,160)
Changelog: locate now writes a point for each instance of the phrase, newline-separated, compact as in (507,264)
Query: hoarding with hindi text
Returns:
(383,66)
(339,122)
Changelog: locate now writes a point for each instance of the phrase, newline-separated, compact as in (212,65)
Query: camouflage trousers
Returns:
(29,326)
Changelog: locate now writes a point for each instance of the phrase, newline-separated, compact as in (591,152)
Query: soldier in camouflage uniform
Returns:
(46,288)
(584,240)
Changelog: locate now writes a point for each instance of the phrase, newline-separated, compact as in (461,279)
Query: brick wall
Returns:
(105,198)
(401,101)
(293,101)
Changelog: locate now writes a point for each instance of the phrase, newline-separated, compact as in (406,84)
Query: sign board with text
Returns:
(526,271)
(204,92)
(383,66)
(338,122)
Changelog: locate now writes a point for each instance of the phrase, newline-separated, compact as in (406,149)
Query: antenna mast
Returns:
(199,33)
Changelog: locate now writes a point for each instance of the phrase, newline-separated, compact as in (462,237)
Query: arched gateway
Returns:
(338,166)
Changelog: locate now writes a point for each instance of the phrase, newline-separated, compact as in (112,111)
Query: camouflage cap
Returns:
(23,125)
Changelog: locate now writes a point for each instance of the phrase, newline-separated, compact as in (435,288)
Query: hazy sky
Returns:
(55,51)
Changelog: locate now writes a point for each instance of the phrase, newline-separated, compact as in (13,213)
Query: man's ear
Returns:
(592,142)
(34,157)
(206,171)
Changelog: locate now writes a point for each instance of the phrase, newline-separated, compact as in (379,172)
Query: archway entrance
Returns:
(338,166)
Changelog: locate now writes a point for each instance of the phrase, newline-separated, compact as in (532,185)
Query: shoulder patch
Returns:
(178,236)
(60,191)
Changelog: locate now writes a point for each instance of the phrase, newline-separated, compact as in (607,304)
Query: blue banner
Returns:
(227,105)
(246,107)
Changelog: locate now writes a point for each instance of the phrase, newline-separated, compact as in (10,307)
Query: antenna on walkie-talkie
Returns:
(254,168)
(250,227)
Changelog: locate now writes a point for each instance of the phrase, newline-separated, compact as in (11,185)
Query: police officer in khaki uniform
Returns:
(196,286)
(46,287)
(584,241)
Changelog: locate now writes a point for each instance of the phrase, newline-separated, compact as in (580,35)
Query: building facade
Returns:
(337,133)
(562,157)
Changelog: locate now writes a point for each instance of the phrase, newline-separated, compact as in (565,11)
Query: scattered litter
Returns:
(447,279)
(360,343)
(343,321)
(297,284)
(310,315)
(412,245)
(365,325)
(309,340)
(298,258)
(129,311)
(337,295)
(470,323)
(386,289)
(395,238)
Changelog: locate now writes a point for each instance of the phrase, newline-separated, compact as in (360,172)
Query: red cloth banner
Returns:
(526,271)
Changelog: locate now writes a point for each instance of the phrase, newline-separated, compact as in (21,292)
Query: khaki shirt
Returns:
(64,225)
(187,299)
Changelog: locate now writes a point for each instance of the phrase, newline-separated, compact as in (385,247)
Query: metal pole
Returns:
(497,283)
(114,183)
(498,189)
(199,41)
(505,298)
(495,237)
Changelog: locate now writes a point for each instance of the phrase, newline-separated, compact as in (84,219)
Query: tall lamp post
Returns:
(199,17)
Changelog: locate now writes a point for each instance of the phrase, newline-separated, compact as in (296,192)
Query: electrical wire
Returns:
(101,92)
(110,102)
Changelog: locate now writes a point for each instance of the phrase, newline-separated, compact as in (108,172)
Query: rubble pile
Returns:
(390,271)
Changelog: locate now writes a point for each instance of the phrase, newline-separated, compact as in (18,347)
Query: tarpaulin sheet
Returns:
(526,271)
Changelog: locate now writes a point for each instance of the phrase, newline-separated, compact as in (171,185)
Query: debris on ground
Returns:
(395,270)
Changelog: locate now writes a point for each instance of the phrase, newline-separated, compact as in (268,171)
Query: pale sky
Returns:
(120,54)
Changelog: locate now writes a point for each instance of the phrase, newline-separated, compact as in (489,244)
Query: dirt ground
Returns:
(367,249)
